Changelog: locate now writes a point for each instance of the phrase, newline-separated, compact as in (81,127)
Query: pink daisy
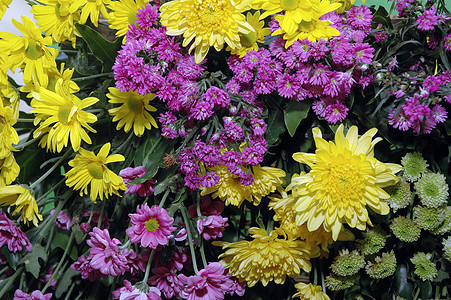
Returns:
(336,113)
(144,189)
(166,281)
(63,221)
(35,295)
(211,227)
(428,19)
(83,264)
(131,292)
(12,236)
(150,226)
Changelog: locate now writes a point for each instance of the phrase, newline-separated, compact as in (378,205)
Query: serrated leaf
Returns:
(31,260)
(294,113)
(78,234)
(275,126)
(60,240)
(64,282)
(103,49)
(169,182)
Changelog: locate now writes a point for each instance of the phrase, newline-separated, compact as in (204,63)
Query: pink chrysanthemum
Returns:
(130,292)
(360,17)
(35,295)
(428,19)
(210,283)
(211,227)
(63,221)
(105,253)
(83,264)
(150,226)
(447,43)
(12,236)
(166,281)
(336,113)
(144,189)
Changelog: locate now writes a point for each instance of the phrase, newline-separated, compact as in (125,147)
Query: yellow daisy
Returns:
(30,49)
(345,177)
(3,6)
(8,135)
(23,200)
(207,23)
(266,257)
(134,110)
(9,170)
(89,169)
(91,8)
(63,113)
(230,190)
(310,292)
(250,40)
(57,20)
(123,13)
(9,95)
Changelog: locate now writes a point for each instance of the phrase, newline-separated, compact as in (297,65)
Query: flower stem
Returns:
(40,179)
(125,143)
(42,197)
(101,214)
(22,120)
(149,263)
(202,253)
(91,76)
(10,281)
(20,146)
(323,283)
(165,196)
(190,239)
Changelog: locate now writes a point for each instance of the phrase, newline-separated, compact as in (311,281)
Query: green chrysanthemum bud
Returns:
(414,164)
(347,264)
(405,229)
(383,266)
(424,267)
(432,190)
(427,218)
(400,194)
(445,226)
(373,241)
(338,283)
(447,248)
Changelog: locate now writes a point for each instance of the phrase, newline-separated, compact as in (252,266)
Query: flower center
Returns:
(96,170)
(64,113)
(345,183)
(151,225)
(33,50)
(134,104)
(305,26)
(249,39)
(289,4)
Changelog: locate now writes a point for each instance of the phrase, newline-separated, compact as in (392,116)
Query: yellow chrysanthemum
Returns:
(9,95)
(310,292)
(207,23)
(9,170)
(345,177)
(285,214)
(57,20)
(91,8)
(53,75)
(8,135)
(23,200)
(63,113)
(345,5)
(89,169)
(230,190)
(3,6)
(123,13)
(266,257)
(134,110)
(250,40)
(30,49)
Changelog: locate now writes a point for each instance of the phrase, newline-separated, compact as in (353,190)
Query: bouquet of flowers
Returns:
(206,149)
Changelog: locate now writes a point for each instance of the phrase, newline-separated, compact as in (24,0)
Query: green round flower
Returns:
(405,229)
(424,267)
(347,264)
(383,266)
(427,218)
(373,241)
(400,194)
(447,248)
(337,283)
(432,189)
(414,164)
(445,226)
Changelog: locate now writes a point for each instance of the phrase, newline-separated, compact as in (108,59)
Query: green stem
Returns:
(20,146)
(10,281)
(315,273)
(190,239)
(91,76)
(49,221)
(125,143)
(101,214)
(55,272)
(70,291)
(22,120)
(149,263)
(165,196)
(202,253)
(42,197)
(3,270)
(50,170)
(323,283)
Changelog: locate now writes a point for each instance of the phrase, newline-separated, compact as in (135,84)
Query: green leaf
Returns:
(64,282)
(403,288)
(60,240)
(294,113)
(81,64)
(12,258)
(78,234)
(170,180)
(103,49)
(275,126)
(29,159)
(426,290)
(31,260)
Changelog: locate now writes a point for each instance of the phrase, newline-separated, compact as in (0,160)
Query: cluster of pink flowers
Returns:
(130,292)
(429,19)
(143,189)
(35,295)
(12,236)
(210,223)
